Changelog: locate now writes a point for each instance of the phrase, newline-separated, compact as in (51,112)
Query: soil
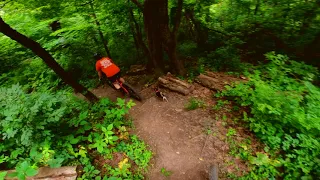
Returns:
(186,143)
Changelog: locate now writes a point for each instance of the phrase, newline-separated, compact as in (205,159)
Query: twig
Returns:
(205,143)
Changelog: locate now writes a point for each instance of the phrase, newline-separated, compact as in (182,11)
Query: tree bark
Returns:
(65,173)
(104,42)
(160,38)
(153,22)
(47,58)
(170,39)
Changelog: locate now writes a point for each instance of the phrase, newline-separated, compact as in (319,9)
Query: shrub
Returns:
(45,129)
(285,115)
(194,104)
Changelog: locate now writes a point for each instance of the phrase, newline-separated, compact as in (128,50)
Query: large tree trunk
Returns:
(104,42)
(160,38)
(47,58)
(153,22)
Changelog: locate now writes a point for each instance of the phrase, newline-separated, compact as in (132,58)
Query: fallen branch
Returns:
(65,173)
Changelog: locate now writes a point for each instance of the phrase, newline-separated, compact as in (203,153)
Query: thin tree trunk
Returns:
(104,42)
(257,7)
(47,58)
(139,37)
(171,40)
(134,35)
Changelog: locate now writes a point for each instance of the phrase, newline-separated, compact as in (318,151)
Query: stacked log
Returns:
(175,84)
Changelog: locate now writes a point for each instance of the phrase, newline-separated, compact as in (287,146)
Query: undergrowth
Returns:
(284,114)
(194,104)
(45,129)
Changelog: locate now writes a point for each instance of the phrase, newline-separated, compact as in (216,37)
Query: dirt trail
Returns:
(178,137)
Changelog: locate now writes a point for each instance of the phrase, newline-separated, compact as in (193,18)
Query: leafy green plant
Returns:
(220,104)
(23,170)
(194,104)
(283,114)
(231,132)
(165,172)
(53,130)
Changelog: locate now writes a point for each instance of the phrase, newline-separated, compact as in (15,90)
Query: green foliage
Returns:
(220,104)
(231,132)
(45,129)
(188,49)
(226,57)
(284,115)
(23,170)
(165,172)
(194,104)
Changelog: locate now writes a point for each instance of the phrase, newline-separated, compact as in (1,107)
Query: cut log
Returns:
(62,173)
(175,85)
(186,85)
(211,74)
(210,82)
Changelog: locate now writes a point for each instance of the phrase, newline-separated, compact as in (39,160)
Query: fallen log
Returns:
(175,85)
(210,82)
(186,85)
(211,74)
(62,173)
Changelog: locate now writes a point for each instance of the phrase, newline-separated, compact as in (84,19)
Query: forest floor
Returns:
(185,143)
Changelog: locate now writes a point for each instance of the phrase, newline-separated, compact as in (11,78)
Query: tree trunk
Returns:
(139,37)
(47,58)
(170,39)
(134,35)
(156,23)
(153,21)
(104,42)
(257,7)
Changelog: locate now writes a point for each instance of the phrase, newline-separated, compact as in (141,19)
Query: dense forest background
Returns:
(220,34)
(184,37)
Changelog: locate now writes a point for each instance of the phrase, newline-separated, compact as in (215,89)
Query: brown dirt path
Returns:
(178,137)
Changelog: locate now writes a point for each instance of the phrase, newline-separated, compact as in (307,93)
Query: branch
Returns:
(136,2)
(220,32)
(36,48)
